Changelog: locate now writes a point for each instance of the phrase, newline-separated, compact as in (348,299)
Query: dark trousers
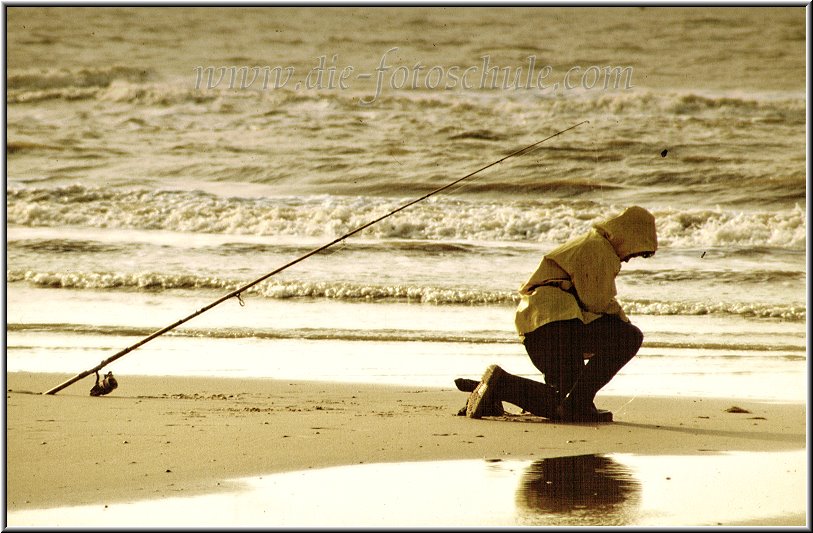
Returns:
(557,349)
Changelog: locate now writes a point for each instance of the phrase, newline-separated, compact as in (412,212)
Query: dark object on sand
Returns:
(735,409)
(663,154)
(106,386)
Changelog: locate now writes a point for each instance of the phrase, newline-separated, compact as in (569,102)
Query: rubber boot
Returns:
(469,385)
(578,405)
(498,385)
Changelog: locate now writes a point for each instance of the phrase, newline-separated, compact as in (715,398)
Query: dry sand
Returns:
(157,437)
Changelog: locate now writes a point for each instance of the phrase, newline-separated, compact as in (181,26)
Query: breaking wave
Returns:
(70,84)
(347,291)
(440,218)
(141,85)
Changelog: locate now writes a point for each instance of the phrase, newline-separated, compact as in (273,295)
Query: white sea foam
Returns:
(445,218)
(353,291)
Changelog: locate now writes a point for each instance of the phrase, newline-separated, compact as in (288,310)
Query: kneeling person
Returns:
(573,329)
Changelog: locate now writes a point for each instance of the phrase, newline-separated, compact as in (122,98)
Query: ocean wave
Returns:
(81,77)
(719,227)
(693,103)
(14,147)
(274,289)
(348,291)
(485,337)
(70,246)
(440,218)
(38,95)
(788,312)
(420,248)
(141,85)
(640,101)
(120,91)
(69,84)
(153,94)
(479,135)
(787,351)
(251,249)
(733,277)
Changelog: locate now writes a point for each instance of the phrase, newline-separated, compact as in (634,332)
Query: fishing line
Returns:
(469,183)
(620,409)
(315,251)
(595,166)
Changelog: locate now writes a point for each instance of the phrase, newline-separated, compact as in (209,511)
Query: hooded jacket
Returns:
(577,279)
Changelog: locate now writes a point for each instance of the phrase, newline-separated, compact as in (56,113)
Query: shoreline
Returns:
(156,437)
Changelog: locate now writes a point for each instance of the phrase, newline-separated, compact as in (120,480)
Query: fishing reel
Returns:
(104,386)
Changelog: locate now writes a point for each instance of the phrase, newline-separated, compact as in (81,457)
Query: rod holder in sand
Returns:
(315,251)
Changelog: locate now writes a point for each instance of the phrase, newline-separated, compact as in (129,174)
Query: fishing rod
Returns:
(239,291)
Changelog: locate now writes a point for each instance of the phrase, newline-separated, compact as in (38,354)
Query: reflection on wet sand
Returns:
(754,488)
(580,490)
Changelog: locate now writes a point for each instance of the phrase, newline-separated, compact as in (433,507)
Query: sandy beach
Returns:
(161,437)
(171,156)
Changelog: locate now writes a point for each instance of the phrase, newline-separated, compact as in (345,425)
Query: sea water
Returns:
(139,190)
(584,490)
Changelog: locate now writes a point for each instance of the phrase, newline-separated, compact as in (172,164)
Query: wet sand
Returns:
(156,437)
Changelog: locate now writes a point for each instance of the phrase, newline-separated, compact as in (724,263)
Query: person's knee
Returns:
(635,339)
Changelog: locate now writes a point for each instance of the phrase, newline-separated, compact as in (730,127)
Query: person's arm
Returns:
(594,282)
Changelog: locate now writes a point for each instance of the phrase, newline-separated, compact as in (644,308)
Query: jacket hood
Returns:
(631,232)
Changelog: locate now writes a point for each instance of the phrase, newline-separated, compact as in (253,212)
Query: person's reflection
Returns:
(578,490)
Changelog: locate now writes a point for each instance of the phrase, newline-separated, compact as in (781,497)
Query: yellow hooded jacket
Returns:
(577,279)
